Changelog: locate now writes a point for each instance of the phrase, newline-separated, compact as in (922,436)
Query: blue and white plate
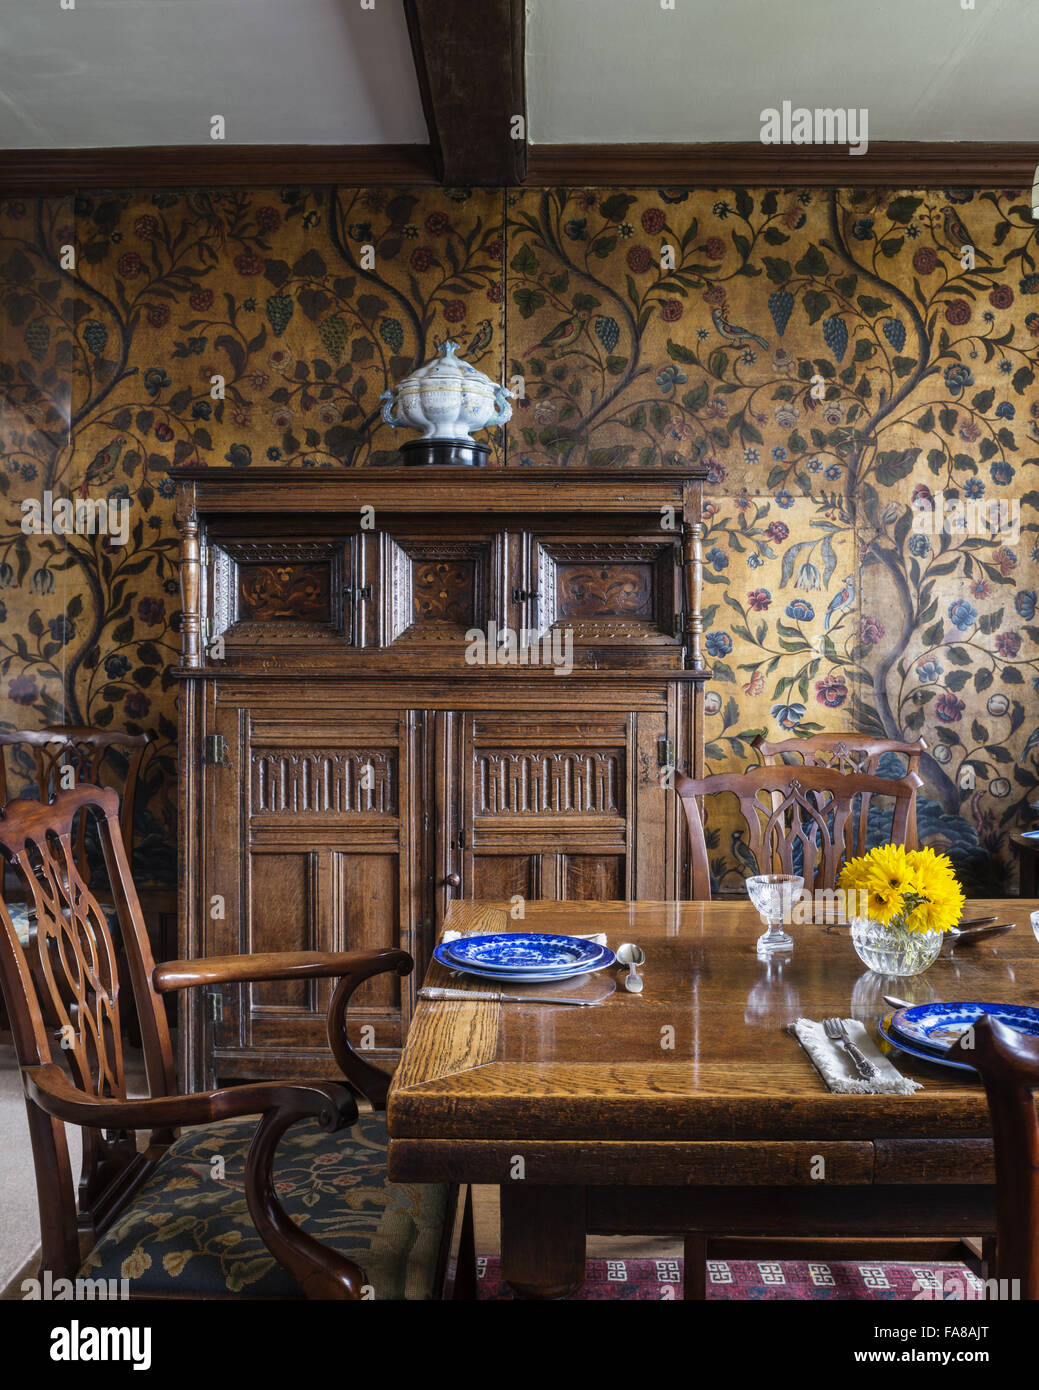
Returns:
(526,977)
(526,951)
(937,1026)
(937,1059)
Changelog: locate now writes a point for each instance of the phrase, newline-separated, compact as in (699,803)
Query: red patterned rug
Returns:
(751,1279)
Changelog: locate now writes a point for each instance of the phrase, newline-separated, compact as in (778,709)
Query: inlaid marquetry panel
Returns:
(572,781)
(615,593)
(435,590)
(278,590)
(321,783)
(604,591)
(270,592)
(444,590)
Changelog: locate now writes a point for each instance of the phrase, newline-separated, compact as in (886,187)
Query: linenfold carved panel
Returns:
(293,782)
(573,781)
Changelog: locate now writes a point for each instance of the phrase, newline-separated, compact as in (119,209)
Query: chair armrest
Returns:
(50,1088)
(370,1081)
(273,965)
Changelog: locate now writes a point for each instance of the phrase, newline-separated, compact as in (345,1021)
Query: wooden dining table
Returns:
(689,1108)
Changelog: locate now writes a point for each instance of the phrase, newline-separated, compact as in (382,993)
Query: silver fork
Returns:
(836,1030)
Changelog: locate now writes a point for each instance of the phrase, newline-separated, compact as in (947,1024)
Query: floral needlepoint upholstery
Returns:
(189,1229)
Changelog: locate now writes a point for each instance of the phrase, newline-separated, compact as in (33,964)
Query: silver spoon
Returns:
(631,955)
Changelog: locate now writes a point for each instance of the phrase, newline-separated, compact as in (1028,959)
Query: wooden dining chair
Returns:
(60,756)
(848,752)
(797,818)
(1008,1062)
(294,1205)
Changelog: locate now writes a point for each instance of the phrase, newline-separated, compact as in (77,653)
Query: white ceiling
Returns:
(616,71)
(153,72)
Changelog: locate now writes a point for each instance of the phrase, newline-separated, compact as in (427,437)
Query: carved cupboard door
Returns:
(561,806)
(311,851)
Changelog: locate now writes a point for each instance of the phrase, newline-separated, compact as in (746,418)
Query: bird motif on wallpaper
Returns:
(741,852)
(480,340)
(101,468)
(956,234)
(203,203)
(841,600)
(732,332)
(561,333)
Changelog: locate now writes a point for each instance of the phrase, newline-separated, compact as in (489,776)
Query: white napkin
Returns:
(838,1070)
(599,937)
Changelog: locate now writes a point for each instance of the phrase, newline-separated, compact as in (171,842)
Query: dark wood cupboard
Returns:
(406,686)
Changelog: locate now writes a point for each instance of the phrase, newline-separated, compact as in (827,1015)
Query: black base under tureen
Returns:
(443,453)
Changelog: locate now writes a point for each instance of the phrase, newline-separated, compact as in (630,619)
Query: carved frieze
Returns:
(295,782)
(559,782)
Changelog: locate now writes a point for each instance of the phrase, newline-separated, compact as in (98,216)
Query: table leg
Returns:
(542,1239)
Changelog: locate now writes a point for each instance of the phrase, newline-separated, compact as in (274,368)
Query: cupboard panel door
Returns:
(501,876)
(593,876)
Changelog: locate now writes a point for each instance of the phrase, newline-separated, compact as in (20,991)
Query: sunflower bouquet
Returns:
(907,890)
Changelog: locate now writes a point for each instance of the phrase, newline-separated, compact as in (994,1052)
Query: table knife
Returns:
(435,992)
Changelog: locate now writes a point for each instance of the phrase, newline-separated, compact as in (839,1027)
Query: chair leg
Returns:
(465,1269)
(695,1268)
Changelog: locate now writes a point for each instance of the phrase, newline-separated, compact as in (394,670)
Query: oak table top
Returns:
(701,1054)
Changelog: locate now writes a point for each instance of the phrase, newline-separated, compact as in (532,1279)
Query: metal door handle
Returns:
(453,880)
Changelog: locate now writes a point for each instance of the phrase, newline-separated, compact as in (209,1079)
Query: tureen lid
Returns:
(447,367)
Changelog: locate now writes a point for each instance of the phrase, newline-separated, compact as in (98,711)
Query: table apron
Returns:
(709,1163)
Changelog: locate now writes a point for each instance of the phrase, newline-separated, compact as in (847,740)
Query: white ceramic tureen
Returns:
(447,399)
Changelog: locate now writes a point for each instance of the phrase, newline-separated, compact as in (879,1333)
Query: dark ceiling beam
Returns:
(469,58)
(29,173)
(890,164)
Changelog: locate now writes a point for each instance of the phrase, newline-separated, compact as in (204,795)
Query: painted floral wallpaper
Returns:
(833,358)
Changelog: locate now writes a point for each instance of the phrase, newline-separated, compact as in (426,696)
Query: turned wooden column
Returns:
(190,620)
(692,564)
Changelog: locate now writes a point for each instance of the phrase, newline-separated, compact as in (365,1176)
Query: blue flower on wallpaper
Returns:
(919,546)
(669,378)
(754,561)
(800,610)
(1005,411)
(929,671)
(963,614)
(719,643)
(1002,472)
(974,487)
(788,716)
(1024,602)
(958,378)
(783,498)
(116,666)
(716,558)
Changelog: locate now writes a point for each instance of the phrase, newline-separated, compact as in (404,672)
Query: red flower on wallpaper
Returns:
(639,260)
(957,311)
(653,221)
(831,691)
(1008,643)
(925,260)
(1001,297)
(146,227)
(200,299)
(714,248)
(129,265)
(22,690)
(151,611)
(948,708)
(248,263)
(759,599)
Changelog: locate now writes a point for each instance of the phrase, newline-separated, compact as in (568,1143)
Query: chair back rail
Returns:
(847,752)
(67,976)
(1008,1062)
(785,807)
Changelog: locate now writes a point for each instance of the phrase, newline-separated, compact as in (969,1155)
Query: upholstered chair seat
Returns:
(188,1229)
